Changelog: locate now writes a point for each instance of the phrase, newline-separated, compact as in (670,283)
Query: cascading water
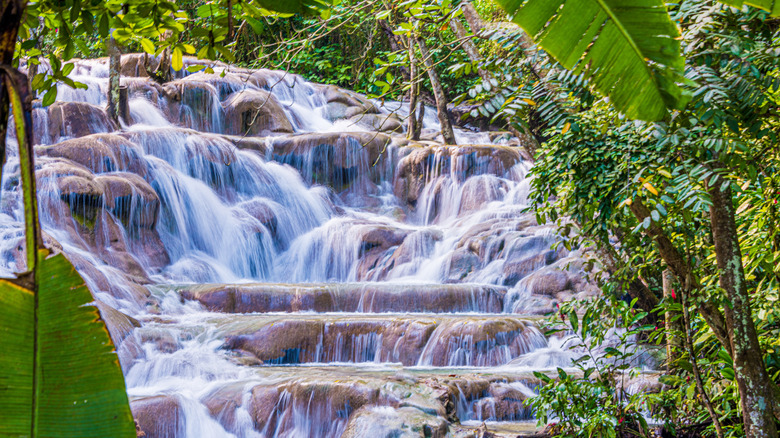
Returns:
(284,263)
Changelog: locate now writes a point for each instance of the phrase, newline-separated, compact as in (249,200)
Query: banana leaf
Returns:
(630,51)
(771,6)
(59,373)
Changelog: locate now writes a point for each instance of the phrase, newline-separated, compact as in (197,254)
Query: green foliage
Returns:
(631,54)
(55,32)
(594,401)
(597,164)
(60,374)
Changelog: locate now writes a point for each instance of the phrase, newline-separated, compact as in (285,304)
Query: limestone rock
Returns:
(255,112)
(76,119)
(159,416)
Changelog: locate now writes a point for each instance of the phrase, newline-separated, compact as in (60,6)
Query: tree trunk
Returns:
(114,69)
(230,20)
(447,133)
(413,131)
(472,17)
(674,327)
(637,289)
(679,266)
(395,45)
(12,13)
(754,384)
(470,48)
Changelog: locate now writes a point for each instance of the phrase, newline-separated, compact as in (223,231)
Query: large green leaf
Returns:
(771,6)
(630,50)
(59,374)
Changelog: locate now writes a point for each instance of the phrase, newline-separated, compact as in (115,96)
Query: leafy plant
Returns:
(594,401)
(59,374)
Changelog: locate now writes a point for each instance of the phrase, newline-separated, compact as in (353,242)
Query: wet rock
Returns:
(162,339)
(480,190)
(255,112)
(462,263)
(263,406)
(365,297)
(337,110)
(136,64)
(504,403)
(387,422)
(277,410)
(76,119)
(263,211)
(379,122)
(422,163)
(159,416)
(100,153)
(418,244)
(223,404)
(347,98)
(121,327)
(145,88)
(131,199)
(337,159)
(469,341)
(548,282)
(516,270)
(194,104)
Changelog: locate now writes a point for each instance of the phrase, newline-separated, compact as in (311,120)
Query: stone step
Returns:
(372,297)
(409,339)
(349,401)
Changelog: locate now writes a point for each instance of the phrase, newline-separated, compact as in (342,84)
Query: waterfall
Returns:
(282,261)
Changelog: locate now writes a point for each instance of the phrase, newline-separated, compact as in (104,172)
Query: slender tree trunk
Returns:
(447,133)
(470,48)
(674,326)
(637,289)
(413,132)
(114,69)
(694,363)
(472,17)
(754,385)
(11,14)
(230,20)
(679,266)
(395,44)
(420,119)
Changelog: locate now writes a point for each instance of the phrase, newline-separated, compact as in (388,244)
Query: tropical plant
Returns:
(59,373)
(629,52)
(694,195)
(597,400)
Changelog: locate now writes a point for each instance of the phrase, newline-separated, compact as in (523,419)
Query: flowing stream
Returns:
(275,259)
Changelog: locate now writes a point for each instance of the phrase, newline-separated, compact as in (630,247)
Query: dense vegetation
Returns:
(655,142)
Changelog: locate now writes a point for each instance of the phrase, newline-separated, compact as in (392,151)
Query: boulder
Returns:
(159,416)
(145,88)
(337,159)
(379,122)
(100,153)
(480,190)
(516,270)
(194,104)
(131,199)
(548,281)
(480,342)
(388,422)
(334,94)
(135,65)
(254,113)
(263,211)
(76,119)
